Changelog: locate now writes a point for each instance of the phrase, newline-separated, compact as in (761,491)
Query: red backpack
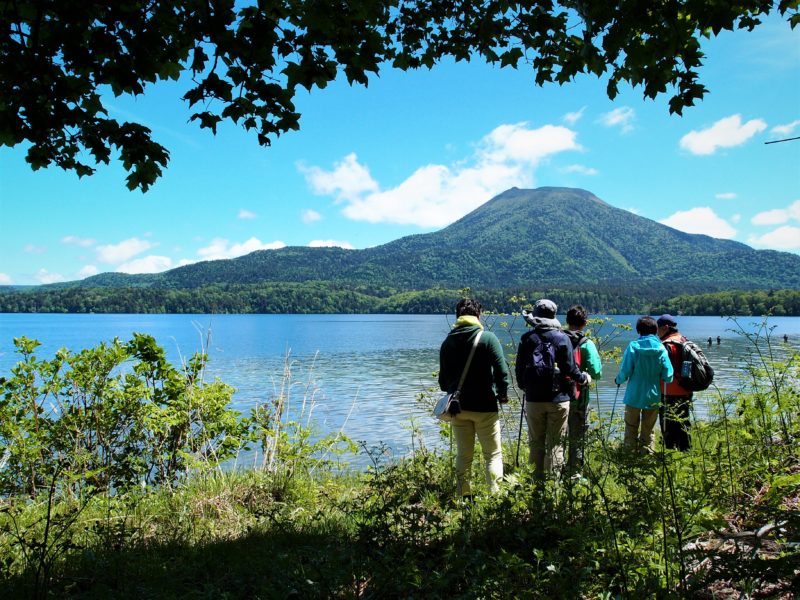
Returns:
(576,356)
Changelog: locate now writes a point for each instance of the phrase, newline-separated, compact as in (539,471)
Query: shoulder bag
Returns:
(451,400)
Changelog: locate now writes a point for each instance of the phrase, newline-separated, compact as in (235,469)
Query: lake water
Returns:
(366,371)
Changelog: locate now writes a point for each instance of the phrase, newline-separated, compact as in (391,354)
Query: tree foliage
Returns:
(246,61)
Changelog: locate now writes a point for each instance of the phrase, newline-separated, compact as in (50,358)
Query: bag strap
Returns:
(469,359)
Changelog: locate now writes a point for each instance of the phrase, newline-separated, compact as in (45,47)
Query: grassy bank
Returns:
(719,521)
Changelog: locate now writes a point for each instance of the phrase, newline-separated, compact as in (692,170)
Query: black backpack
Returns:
(694,373)
(542,374)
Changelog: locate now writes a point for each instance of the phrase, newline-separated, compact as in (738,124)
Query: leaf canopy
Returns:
(247,60)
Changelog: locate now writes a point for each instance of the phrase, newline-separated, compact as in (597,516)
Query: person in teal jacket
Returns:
(578,420)
(645,364)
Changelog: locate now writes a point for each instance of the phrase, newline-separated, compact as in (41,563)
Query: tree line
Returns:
(326,297)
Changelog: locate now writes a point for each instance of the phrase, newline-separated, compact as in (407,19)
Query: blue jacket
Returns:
(645,363)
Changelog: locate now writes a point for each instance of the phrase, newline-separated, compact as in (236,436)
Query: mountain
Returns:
(521,238)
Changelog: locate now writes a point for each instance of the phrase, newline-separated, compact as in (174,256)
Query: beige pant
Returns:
(639,429)
(547,430)
(466,425)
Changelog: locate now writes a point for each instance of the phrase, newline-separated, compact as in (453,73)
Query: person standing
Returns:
(544,367)
(677,401)
(578,419)
(645,364)
(485,385)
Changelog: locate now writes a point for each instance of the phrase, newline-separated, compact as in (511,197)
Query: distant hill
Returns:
(521,238)
(565,243)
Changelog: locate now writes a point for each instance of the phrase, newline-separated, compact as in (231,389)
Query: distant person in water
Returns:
(645,365)
(485,385)
(719,340)
(709,341)
(785,339)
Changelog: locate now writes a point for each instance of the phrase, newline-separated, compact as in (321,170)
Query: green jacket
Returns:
(590,362)
(488,375)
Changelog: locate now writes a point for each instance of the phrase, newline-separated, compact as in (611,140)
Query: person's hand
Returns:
(502,399)
(588,378)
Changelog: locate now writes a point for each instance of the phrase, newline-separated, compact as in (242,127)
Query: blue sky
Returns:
(414,152)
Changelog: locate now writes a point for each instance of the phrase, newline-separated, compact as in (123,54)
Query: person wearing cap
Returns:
(547,410)
(485,385)
(644,365)
(677,401)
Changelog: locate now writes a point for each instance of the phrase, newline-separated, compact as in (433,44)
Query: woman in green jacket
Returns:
(578,420)
(486,385)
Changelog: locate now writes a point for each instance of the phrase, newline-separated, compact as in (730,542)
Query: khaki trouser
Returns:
(547,430)
(639,426)
(466,425)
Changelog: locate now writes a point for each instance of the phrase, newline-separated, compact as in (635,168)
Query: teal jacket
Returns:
(488,375)
(645,364)
(590,362)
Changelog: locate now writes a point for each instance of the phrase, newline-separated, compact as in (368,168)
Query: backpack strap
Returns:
(469,359)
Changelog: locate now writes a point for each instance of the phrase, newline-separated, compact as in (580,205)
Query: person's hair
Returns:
(576,316)
(468,306)
(646,326)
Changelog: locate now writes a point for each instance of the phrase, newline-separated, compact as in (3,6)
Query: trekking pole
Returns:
(614,407)
(519,435)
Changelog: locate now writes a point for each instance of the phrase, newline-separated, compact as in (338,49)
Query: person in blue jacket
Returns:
(644,365)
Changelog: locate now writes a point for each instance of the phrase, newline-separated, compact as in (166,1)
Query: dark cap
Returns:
(545,309)
(666,320)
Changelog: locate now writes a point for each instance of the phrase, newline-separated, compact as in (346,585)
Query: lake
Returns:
(365,371)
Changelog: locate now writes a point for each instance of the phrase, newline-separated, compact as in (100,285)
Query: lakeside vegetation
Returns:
(324,297)
(112,486)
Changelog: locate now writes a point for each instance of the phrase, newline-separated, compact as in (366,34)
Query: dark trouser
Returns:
(578,425)
(674,418)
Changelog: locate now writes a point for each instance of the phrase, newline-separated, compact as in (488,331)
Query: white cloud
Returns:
(621,117)
(125,250)
(783,238)
(221,248)
(246,214)
(74,240)
(580,169)
(330,244)
(5,279)
(348,180)
(725,133)
(44,276)
(726,196)
(34,249)
(435,195)
(87,271)
(309,216)
(785,130)
(778,216)
(700,220)
(573,117)
(736,218)
(634,210)
(146,264)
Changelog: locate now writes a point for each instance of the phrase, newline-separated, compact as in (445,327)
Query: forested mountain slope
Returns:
(541,237)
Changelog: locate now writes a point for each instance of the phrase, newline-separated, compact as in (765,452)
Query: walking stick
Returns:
(614,406)
(519,435)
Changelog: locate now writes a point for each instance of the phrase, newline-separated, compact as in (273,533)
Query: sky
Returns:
(415,152)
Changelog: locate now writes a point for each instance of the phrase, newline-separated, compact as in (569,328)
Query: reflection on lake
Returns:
(366,370)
